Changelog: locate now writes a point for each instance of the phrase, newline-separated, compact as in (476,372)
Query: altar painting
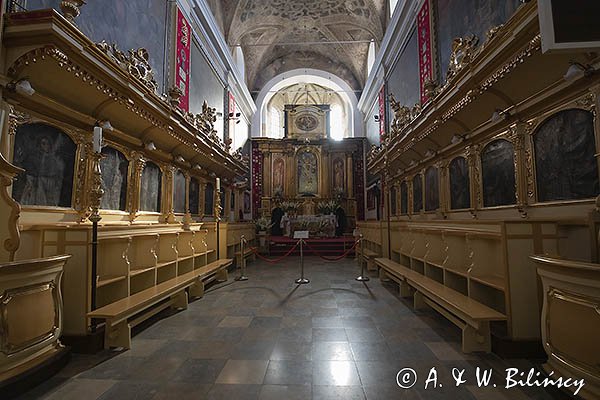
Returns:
(308,174)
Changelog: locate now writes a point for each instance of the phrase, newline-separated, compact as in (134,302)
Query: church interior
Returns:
(341,199)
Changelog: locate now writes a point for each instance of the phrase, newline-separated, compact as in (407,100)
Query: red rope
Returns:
(276,260)
(331,258)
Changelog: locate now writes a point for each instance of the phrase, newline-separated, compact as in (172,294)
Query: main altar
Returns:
(313,173)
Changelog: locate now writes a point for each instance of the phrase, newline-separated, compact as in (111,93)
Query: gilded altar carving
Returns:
(135,62)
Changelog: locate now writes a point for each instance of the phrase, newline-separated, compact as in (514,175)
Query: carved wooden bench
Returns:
(469,315)
(126,313)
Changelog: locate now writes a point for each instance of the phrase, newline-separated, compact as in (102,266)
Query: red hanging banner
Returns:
(382,114)
(182,60)
(425,61)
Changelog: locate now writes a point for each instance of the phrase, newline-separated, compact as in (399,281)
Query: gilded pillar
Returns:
(444,187)
(349,176)
(168,213)
(475,181)
(134,190)
(325,171)
(84,175)
(517,136)
(187,219)
(267,178)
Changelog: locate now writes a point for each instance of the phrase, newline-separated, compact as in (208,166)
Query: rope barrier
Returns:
(332,259)
(276,260)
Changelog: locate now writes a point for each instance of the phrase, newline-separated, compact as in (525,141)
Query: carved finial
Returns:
(70,8)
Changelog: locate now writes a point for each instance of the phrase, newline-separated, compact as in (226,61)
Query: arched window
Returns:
(417,194)
(194,196)
(393,4)
(238,58)
(276,128)
(460,194)
(47,155)
(179,192)
(432,189)
(151,188)
(336,122)
(371,57)
(403,198)
(498,174)
(209,199)
(114,167)
(566,168)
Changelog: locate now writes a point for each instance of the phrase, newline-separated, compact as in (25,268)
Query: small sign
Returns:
(300,234)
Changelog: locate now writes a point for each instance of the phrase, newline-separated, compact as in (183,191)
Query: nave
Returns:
(268,338)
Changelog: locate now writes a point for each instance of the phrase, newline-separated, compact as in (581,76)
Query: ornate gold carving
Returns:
(96,192)
(492,32)
(15,119)
(70,8)
(587,102)
(175,94)
(135,63)
(463,51)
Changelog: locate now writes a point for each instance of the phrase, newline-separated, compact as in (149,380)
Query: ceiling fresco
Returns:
(281,35)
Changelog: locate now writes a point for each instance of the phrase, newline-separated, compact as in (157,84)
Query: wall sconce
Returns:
(180,159)
(377,117)
(577,69)
(457,139)
(430,153)
(150,146)
(22,87)
(197,167)
(97,138)
(105,125)
(498,115)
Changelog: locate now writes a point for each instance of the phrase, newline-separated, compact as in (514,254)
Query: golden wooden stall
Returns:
(163,231)
(474,178)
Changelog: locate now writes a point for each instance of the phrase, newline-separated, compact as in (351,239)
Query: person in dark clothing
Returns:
(276,216)
(342,223)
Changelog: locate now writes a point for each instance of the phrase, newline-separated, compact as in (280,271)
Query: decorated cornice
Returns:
(124,90)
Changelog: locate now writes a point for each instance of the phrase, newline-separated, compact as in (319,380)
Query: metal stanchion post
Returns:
(302,280)
(242,276)
(362,277)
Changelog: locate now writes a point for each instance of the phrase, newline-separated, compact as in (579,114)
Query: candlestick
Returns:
(97,140)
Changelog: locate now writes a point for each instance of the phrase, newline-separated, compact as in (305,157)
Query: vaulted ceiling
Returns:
(281,35)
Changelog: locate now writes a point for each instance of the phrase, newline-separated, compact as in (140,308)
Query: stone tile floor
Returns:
(268,338)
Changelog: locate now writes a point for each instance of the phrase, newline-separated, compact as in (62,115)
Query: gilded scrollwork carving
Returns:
(15,119)
(492,32)
(588,102)
(135,62)
(463,52)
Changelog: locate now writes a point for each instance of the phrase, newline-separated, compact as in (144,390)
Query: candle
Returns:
(218,184)
(97,139)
